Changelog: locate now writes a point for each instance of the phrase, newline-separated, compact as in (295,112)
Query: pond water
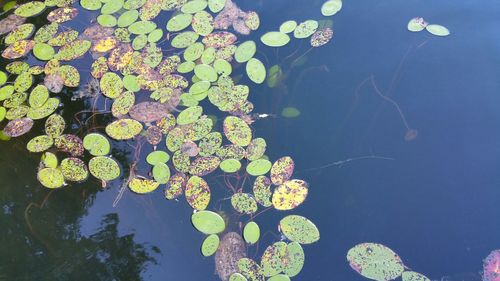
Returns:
(432,199)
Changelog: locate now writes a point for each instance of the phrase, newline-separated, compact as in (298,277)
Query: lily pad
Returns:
(30,9)
(74,169)
(289,195)
(157,157)
(161,173)
(251,232)
(256,71)
(96,144)
(230,165)
(375,261)
(305,29)
(331,7)
(244,203)
(208,222)
(237,131)
(51,177)
(245,51)
(288,26)
(205,72)
(414,276)
(18,127)
(91,5)
(296,258)
(111,85)
(437,30)
(259,167)
(127,18)
(417,24)
(274,259)
(73,50)
(39,143)
(104,168)
(198,194)
(142,186)
(299,229)
(54,125)
(184,39)
(124,129)
(179,22)
(262,191)
(282,170)
(275,39)
(210,245)
(189,115)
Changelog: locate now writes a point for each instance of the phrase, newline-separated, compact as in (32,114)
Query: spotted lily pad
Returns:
(282,170)
(51,177)
(73,50)
(124,129)
(142,186)
(111,85)
(208,222)
(19,49)
(237,131)
(296,258)
(203,166)
(375,261)
(175,186)
(197,193)
(62,14)
(54,125)
(250,269)
(262,191)
(413,276)
(104,168)
(18,127)
(290,194)
(30,9)
(39,143)
(299,229)
(189,115)
(274,259)
(74,169)
(305,29)
(321,37)
(417,24)
(244,203)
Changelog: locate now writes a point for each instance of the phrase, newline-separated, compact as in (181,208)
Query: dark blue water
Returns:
(434,202)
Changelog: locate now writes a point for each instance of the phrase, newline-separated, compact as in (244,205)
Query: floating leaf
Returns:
(490,266)
(321,37)
(157,157)
(282,170)
(175,186)
(96,144)
(245,51)
(161,173)
(70,144)
(230,165)
(184,39)
(417,24)
(179,22)
(91,5)
(111,85)
(288,26)
(54,125)
(49,160)
(73,50)
(18,127)
(299,229)
(275,39)
(219,39)
(237,131)
(208,222)
(23,31)
(51,177)
(331,7)
(104,168)
(244,203)
(256,71)
(437,30)
(197,193)
(250,269)
(296,258)
(194,6)
(289,195)
(74,169)
(290,112)
(375,261)
(251,232)
(142,27)
(45,110)
(39,143)
(19,49)
(262,191)
(189,115)
(237,277)
(30,9)
(127,18)
(415,276)
(142,186)
(274,259)
(305,29)
(123,129)
(62,14)
(216,6)
(210,245)
(111,7)
(202,23)
(259,167)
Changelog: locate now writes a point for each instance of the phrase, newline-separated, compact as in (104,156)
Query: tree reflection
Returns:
(41,231)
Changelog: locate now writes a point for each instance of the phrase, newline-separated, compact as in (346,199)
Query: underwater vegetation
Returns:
(157,68)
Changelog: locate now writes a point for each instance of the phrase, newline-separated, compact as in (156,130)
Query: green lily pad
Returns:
(130,83)
(417,24)
(142,27)
(45,110)
(157,157)
(155,35)
(24,31)
(104,168)
(275,39)
(208,222)
(161,173)
(23,82)
(205,72)
(184,39)
(73,50)
(38,96)
(189,115)
(111,7)
(91,5)
(230,165)
(107,20)
(305,29)
(256,71)
(259,167)
(142,186)
(198,196)
(3,78)
(288,26)
(40,143)
(244,203)
(203,23)
(331,7)
(123,104)
(194,6)
(223,67)
(128,18)
(216,6)
(375,261)
(51,177)
(237,277)
(413,276)
(74,169)
(194,52)
(210,245)
(179,22)
(140,42)
(437,30)
(30,9)
(124,129)
(49,160)
(299,229)
(290,112)
(96,144)
(245,51)
(296,258)
(251,232)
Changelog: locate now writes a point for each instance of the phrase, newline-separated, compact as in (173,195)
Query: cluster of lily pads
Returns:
(418,24)
(161,97)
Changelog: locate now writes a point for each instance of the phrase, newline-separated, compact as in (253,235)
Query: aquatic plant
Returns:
(144,93)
